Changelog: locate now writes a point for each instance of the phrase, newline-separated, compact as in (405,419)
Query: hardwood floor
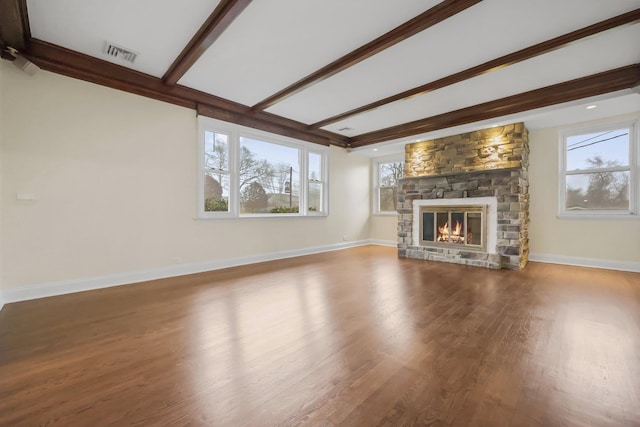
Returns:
(350,338)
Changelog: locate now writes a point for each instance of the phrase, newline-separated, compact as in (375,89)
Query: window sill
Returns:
(602,217)
(259,216)
(385,213)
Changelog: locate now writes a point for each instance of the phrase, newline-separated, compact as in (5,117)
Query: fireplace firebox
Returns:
(461,227)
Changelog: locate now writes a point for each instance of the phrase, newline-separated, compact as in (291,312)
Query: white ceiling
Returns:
(574,61)
(274,43)
(157,30)
(483,32)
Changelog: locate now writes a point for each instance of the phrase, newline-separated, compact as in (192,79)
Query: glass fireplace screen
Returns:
(453,226)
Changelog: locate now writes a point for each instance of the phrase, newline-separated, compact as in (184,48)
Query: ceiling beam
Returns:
(431,17)
(223,15)
(493,65)
(77,65)
(584,87)
(14,24)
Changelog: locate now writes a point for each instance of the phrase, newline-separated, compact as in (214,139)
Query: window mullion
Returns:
(599,170)
(303,160)
(234,175)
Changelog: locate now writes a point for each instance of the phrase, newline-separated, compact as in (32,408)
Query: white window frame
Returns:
(376,182)
(235,132)
(226,129)
(633,168)
(324,170)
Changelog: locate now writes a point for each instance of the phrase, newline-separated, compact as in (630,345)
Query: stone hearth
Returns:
(490,164)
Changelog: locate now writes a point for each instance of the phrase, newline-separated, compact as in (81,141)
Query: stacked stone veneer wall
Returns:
(491,162)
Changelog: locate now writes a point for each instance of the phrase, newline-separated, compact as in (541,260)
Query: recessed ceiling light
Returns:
(375,149)
(591,107)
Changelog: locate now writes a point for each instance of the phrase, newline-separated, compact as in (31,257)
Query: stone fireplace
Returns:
(465,199)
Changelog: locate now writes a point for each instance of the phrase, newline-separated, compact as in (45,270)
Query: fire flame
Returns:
(455,235)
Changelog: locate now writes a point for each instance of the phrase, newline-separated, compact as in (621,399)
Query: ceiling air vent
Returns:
(120,53)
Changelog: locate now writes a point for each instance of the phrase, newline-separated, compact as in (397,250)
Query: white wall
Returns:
(114,175)
(603,243)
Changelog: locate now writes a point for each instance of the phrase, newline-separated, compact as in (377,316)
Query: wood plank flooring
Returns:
(350,338)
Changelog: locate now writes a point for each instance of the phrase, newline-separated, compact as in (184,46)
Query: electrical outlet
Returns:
(25,196)
(345,238)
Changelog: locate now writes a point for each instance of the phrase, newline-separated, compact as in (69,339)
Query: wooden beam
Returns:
(431,17)
(14,24)
(73,64)
(493,65)
(243,119)
(584,87)
(226,12)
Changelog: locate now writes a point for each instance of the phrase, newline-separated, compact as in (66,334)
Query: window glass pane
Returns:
(269,177)
(390,173)
(603,190)
(216,151)
(388,199)
(216,192)
(315,197)
(598,150)
(315,167)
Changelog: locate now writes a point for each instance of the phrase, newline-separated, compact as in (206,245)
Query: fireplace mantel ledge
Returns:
(491,221)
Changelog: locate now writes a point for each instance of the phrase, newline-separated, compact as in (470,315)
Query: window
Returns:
(387,172)
(216,172)
(599,171)
(244,172)
(316,181)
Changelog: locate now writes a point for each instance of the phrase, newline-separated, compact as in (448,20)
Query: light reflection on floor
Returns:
(245,342)
(589,358)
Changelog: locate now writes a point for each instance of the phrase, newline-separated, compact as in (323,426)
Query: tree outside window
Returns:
(246,172)
(216,179)
(389,173)
(269,177)
(599,170)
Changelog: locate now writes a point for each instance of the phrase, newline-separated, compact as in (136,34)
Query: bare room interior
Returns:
(320,213)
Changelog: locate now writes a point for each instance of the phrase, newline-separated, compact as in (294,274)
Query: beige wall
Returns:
(384,228)
(548,235)
(114,176)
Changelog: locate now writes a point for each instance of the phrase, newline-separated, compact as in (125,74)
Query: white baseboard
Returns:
(587,262)
(50,289)
(379,242)
(91,283)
